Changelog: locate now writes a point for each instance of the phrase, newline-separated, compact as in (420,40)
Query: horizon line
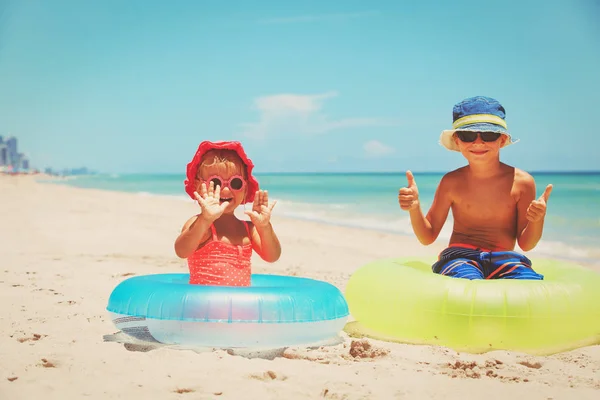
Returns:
(563,172)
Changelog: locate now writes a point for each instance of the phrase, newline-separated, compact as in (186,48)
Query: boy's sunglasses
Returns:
(235,182)
(468,136)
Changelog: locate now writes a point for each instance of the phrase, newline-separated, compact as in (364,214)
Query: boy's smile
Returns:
(478,148)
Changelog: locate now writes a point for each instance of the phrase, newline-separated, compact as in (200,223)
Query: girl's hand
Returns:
(208,199)
(261,210)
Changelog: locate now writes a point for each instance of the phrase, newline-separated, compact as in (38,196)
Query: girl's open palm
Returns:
(261,210)
(208,199)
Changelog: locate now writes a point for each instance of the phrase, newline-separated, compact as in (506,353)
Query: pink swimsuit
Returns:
(221,264)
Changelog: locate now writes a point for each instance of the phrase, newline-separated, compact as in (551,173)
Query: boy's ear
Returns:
(503,139)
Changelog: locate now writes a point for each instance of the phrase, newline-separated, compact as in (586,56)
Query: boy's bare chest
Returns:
(488,202)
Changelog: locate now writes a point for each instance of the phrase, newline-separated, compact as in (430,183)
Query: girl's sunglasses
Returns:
(235,182)
(468,136)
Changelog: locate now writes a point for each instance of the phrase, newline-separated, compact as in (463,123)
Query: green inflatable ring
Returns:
(402,300)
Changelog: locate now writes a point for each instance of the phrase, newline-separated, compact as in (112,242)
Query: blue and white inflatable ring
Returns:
(274,311)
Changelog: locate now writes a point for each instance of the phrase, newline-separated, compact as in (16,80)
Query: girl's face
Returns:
(225,169)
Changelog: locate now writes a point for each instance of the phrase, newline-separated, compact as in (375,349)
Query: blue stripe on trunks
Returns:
(462,262)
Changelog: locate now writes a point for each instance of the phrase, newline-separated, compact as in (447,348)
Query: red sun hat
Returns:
(192,167)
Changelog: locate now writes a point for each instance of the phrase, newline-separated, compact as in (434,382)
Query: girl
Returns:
(217,245)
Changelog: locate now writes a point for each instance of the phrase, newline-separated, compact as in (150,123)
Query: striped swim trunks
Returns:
(469,262)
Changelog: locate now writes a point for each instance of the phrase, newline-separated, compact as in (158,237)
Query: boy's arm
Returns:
(195,231)
(265,242)
(531,214)
(427,228)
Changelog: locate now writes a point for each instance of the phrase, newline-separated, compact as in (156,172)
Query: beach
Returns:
(64,249)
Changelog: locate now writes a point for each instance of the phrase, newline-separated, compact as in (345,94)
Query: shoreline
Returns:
(589,261)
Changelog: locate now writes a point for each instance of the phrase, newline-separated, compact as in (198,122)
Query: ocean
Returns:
(369,200)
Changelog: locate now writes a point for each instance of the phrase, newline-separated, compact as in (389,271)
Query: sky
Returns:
(337,86)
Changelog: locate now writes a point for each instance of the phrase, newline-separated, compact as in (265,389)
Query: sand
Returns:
(64,249)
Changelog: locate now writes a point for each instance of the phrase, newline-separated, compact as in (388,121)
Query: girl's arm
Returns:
(194,232)
(265,242)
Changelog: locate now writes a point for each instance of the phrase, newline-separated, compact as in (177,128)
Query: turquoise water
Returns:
(369,200)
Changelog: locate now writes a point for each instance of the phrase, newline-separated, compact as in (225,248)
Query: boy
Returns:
(493,204)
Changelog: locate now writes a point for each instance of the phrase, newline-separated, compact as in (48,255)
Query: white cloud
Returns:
(375,148)
(297,113)
(318,17)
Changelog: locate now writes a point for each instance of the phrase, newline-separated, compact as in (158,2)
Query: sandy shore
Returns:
(64,250)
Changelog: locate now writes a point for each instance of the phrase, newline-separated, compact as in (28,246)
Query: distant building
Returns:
(13,155)
(10,159)
(3,155)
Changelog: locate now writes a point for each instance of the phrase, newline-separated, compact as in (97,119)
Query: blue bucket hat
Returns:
(477,114)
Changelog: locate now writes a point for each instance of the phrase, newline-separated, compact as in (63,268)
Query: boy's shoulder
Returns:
(454,175)
(520,177)
(520,174)
(451,180)
(524,182)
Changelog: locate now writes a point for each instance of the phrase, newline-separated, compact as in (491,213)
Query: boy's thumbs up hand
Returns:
(546,195)
(411,179)
(537,209)
(408,197)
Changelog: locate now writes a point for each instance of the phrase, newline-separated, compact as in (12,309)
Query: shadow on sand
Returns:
(132,344)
